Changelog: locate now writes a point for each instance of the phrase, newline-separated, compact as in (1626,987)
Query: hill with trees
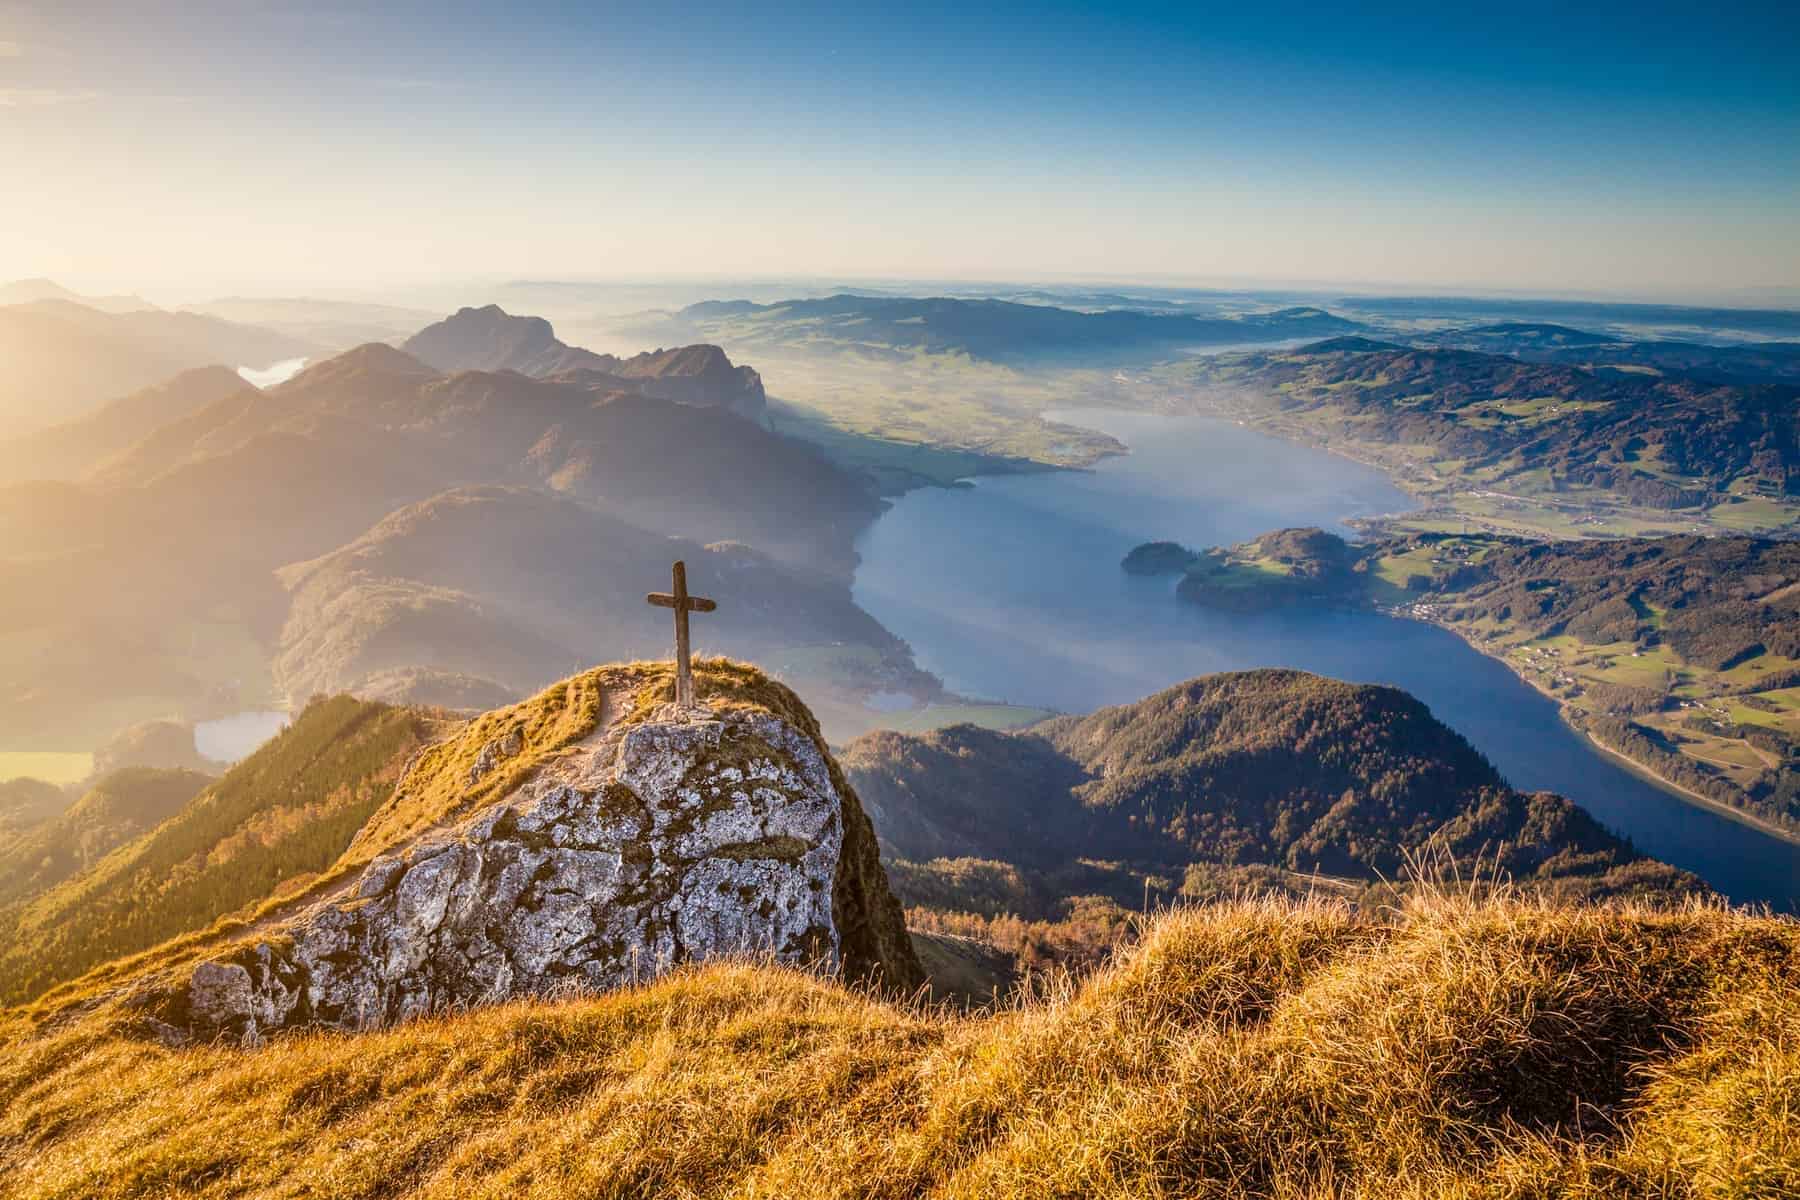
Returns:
(1681,653)
(1259,769)
(555,578)
(113,810)
(197,849)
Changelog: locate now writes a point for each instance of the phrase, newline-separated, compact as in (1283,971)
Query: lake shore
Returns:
(1704,801)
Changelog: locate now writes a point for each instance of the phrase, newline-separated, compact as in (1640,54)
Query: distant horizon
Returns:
(213,146)
(718,286)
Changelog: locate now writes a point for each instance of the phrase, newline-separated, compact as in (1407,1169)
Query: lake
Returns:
(274,373)
(1011,590)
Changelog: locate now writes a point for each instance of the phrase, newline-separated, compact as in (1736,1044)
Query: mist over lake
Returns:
(1011,590)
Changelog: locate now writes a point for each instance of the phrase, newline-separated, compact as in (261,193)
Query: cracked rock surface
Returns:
(651,845)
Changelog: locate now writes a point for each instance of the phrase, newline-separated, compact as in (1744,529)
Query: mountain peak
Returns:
(491,339)
(372,358)
(592,833)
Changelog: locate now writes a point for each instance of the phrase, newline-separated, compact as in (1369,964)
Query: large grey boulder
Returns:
(682,838)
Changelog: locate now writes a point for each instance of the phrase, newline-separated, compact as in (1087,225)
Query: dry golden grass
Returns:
(1452,1047)
(439,787)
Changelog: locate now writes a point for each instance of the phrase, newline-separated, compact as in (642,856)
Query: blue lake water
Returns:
(1011,590)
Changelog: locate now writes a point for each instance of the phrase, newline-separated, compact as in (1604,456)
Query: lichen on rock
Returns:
(659,839)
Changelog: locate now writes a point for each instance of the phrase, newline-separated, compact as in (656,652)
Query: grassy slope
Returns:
(283,813)
(1448,1048)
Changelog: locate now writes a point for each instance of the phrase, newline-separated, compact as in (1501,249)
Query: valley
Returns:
(1674,654)
(1011,590)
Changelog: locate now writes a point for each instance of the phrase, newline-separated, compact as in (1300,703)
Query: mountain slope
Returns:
(1442,1048)
(199,515)
(64,359)
(25,804)
(283,813)
(1261,767)
(71,449)
(115,809)
(556,581)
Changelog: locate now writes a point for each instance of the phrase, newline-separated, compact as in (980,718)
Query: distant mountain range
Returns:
(991,329)
(142,582)
(30,291)
(490,339)
(63,358)
(1671,442)
(1757,362)
(1616,316)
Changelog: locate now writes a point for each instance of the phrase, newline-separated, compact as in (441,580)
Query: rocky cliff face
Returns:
(657,840)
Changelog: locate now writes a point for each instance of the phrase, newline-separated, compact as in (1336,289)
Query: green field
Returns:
(938,416)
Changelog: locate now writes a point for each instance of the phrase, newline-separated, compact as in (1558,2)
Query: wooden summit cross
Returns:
(683,604)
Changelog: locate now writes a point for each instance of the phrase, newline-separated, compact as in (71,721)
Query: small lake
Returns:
(1011,590)
(274,373)
(229,739)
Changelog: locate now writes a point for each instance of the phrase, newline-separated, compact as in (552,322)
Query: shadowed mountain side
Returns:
(71,449)
(554,581)
(672,467)
(491,339)
(1274,767)
(63,359)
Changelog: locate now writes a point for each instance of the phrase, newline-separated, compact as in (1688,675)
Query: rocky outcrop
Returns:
(682,837)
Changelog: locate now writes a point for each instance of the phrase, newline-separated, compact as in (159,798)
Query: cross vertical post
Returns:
(678,599)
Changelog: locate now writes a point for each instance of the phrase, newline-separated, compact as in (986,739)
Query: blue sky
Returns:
(1637,149)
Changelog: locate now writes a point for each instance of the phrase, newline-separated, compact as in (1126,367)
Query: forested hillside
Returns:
(283,813)
(1682,653)
(112,811)
(1259,769)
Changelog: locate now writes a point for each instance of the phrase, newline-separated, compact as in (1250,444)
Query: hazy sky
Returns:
(252,144)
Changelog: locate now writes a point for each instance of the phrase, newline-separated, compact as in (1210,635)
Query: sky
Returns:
(211,146)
